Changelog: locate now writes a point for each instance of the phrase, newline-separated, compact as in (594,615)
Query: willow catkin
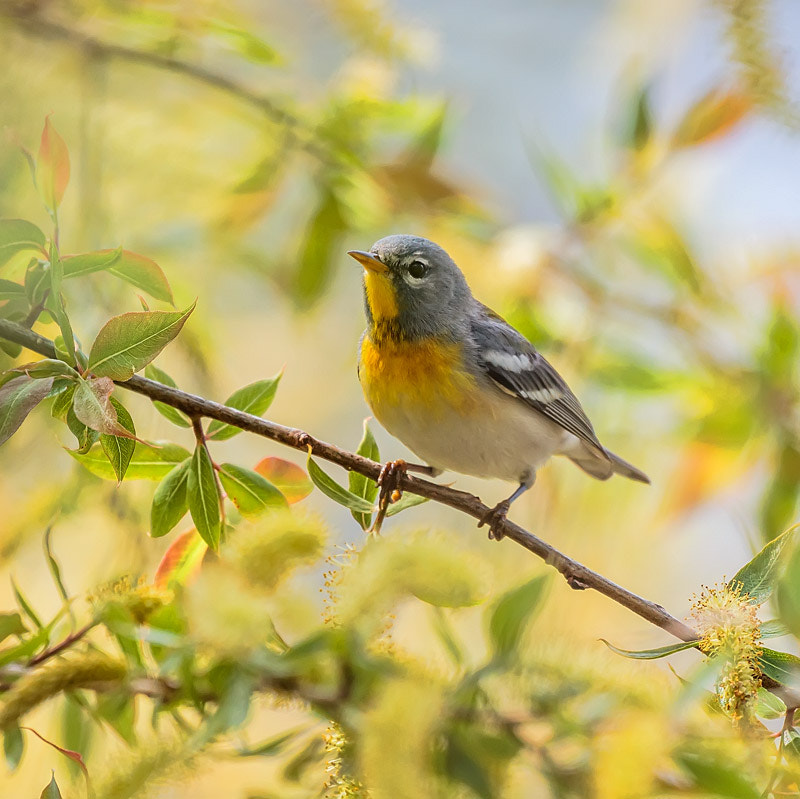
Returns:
(57,676)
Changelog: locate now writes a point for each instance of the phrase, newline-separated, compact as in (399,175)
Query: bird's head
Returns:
(414,286)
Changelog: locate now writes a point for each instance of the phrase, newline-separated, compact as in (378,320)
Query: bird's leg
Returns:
(389,484)
(496,516)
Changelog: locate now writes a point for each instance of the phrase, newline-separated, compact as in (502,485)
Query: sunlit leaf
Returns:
(127,343)
(203,497)
(167,411)
(89,262)
(651,654)
(360,485)
(769,706)
(408,500)
(181,560)
(781,666)
(321,246)
(334,491)
(512,613)
(711,117)
(10,290)
(170,501)
(245,42)
(10,624)
(52,166)
(13,746)
(152,461)
(774,628)
(92,405)
(19,235)
(51,789)
(26,606)
(47,367)
(249,491)
(54,567)
(119,449)
(287,477)
(254,398)
(759,576)
(144,274)
(788,594)
(18,398)
(717,777)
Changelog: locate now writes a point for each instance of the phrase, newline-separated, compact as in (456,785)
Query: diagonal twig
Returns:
(572,570)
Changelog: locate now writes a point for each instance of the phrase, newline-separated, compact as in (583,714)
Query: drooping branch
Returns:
(572,570)
(302,135)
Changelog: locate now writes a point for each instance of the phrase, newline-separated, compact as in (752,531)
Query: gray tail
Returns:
(626,469)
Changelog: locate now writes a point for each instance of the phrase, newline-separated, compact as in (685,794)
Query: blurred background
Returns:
(617,178)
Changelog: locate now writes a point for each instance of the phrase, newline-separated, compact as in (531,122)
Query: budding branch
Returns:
(574,572)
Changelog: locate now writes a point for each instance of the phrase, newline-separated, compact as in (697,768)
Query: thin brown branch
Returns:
(572,570)
(299,134)
(66,643)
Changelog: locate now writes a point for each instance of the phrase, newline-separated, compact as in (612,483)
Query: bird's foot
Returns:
(389,483)
(494,518)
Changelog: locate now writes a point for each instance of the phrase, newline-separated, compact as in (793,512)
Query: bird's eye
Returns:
(417,269)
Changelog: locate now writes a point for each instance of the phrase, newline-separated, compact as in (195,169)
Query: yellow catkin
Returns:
(730,628)
(62,674)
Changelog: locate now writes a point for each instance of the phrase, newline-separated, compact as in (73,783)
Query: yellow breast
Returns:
(419,376)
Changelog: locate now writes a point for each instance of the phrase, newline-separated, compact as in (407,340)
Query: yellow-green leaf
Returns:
(203,496)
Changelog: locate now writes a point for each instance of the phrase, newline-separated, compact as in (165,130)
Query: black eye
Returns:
(417,269)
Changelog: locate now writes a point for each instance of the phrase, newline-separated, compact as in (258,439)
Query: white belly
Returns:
(503,439)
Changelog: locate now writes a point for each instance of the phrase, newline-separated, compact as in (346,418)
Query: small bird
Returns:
(457,384)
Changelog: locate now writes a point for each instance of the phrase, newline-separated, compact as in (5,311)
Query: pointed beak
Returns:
(369,261)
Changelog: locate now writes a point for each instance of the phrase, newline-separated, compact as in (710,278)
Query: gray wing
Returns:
(512,362)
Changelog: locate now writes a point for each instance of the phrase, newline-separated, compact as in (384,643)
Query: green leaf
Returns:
(150,461)
(19,235)
(52,564)
(47,367)
(246,43)
(18,398)
(360,485)
(717,777)
(254,398)
(37,281)
(512,613)
(10,624)
(51,790)
(759,576)
(119,449)
(118,710)
(408,500)
(10,290)
(287,477)
(272,746)
(52,167)
(13,746)
(651,654)
(89,262)
(25,606)
(93,407)
(788,594)
(143,273)
(127,343)
(203,496)
(640,121)
(769,706)
(781,666)
(167,411)
(85,436)
(334,491)
(774,628)
(322,240)
(249,491)
(170,501)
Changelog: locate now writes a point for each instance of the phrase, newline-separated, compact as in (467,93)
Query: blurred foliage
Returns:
(434,665)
